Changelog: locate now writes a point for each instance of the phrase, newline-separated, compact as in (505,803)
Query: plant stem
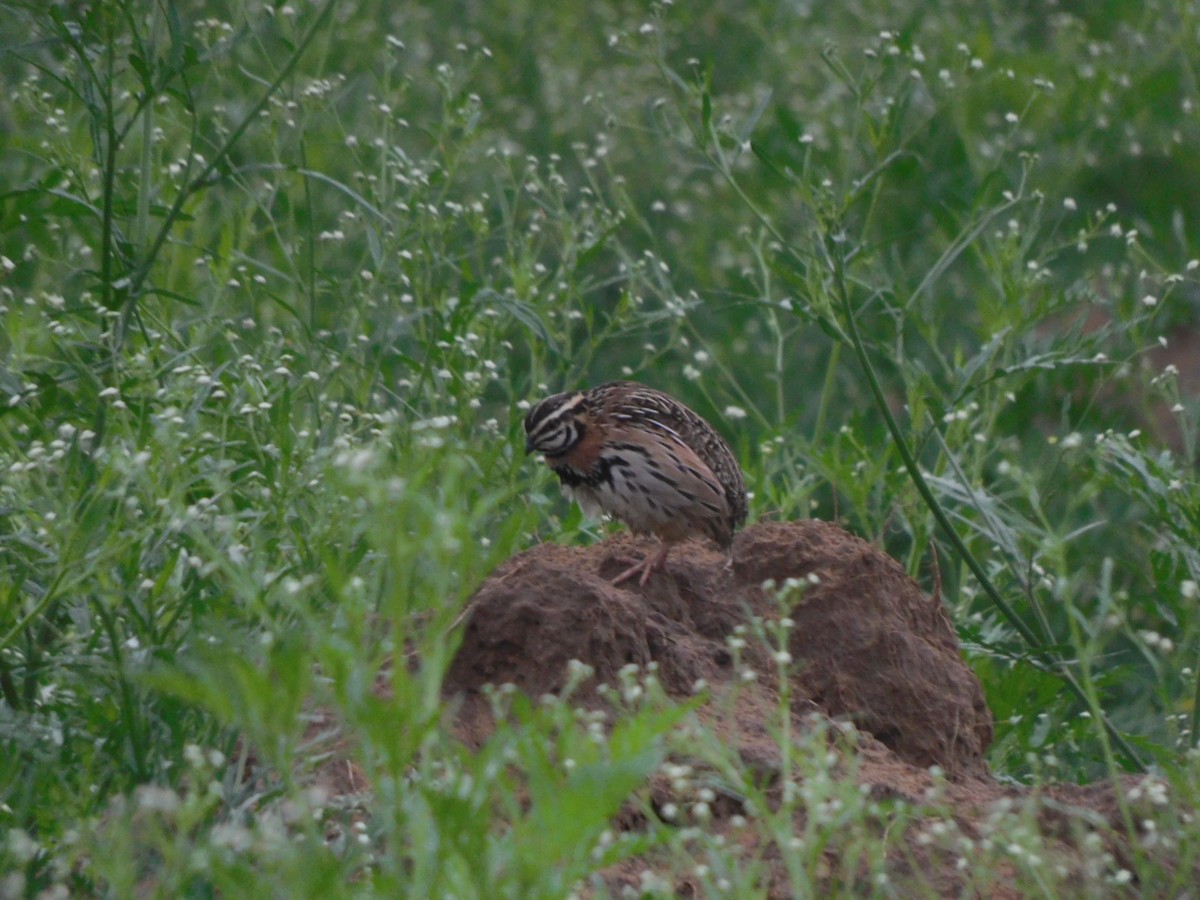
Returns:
(1057,665)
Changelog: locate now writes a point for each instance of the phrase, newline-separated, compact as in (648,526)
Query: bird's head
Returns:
(556,424)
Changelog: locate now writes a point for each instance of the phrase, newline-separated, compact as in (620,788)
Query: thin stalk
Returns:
(918,479)
(1196,708)
(141,226)
(835,354)
(1085,662)
(219,158)
(127,702)
(109,188)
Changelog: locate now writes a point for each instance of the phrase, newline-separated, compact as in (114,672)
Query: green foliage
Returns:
(277,280)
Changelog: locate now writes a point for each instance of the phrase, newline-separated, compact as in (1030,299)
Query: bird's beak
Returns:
(528,445)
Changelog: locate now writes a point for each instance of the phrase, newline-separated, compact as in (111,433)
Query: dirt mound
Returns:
(866,645)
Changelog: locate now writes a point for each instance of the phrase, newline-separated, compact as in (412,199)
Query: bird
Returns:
(642,457)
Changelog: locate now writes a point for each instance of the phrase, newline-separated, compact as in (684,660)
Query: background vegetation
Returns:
(278,280)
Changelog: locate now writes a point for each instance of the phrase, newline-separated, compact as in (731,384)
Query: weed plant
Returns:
(278,281)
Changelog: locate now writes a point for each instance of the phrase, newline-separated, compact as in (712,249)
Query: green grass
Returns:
(277,282)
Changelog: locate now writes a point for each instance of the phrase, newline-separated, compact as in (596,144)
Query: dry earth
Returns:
(872,649)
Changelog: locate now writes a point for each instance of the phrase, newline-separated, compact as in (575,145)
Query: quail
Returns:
(642,457)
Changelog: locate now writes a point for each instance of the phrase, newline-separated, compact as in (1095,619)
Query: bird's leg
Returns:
(654,562)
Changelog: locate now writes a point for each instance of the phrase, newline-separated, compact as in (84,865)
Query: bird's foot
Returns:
(654,562)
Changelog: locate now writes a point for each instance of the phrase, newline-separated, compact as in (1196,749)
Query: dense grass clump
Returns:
(278,280)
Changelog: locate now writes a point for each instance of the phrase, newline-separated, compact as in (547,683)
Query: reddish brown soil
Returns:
(869,648)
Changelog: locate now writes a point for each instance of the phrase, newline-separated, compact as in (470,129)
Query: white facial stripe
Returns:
(557,440)
(556,432)
(567,409)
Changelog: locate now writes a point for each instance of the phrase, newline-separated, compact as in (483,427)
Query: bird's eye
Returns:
(560,438)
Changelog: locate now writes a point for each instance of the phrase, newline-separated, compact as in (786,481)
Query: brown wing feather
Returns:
(631,401)
(697,500)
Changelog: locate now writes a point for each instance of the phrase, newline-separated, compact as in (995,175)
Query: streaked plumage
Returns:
(644,458)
